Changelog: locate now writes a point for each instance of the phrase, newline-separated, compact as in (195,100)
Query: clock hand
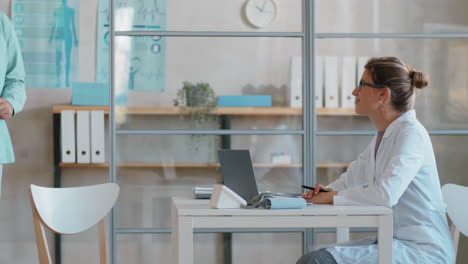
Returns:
(264,5)
(260,9)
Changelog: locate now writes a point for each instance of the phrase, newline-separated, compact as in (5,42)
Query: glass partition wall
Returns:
(430,36)
(166,136)
(162,146)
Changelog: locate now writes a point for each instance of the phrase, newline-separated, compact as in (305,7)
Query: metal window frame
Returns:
(309,130)
(309,112)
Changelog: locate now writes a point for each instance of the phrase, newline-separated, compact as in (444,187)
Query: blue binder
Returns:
(93,94)
(244,101)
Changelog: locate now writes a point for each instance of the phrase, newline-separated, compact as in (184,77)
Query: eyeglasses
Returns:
(362,83)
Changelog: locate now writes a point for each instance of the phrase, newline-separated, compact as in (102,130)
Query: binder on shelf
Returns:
(95,94)
(244,101)
(295,82)
(67,136)
(319,82)
(362,61)
(97,137)
(348,81)
(331,81)
(82,137)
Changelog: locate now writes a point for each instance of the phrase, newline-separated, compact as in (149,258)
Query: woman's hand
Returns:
(315,196)
(6,110)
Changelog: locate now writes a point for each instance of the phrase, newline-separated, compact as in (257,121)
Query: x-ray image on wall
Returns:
(48,34)
(139,61)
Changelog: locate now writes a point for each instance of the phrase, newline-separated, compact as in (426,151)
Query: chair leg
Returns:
(102,242)
(41,241)
(455,232)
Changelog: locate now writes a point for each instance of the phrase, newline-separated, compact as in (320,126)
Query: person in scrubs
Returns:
(12,91)
(397,170)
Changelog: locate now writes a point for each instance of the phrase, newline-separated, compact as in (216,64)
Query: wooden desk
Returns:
(188,214)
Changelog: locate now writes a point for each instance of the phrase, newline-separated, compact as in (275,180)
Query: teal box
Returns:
(244,100)
(90,94)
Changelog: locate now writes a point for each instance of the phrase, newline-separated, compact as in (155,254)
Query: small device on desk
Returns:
(223,197)
(202,192)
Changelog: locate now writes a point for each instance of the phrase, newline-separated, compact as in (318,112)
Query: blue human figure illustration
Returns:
(64,33)
(135,65)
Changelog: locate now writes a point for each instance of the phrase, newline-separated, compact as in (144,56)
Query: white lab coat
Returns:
(403,176)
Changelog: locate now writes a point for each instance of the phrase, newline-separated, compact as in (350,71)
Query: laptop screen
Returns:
(237,171)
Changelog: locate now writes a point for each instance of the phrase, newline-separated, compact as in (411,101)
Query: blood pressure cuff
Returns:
(284,203)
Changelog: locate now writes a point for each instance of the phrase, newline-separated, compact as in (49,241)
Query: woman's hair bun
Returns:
(419,79)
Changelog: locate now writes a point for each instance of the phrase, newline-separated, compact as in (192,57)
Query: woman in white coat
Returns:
(396,170)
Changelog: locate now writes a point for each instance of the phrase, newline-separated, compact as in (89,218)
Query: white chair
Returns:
(70,211)
(455,196)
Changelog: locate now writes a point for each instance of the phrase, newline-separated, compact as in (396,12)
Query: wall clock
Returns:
(260,13)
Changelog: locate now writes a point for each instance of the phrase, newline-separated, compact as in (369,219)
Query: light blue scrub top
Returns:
(11,82)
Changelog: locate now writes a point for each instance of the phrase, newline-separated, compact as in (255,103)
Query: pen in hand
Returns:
(313,189)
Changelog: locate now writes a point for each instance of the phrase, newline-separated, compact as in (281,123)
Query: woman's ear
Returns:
(385,94)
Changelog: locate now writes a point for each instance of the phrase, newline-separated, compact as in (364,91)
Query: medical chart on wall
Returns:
(48,34)
(139,61)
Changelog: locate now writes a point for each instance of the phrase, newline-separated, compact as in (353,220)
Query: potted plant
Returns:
(197,101)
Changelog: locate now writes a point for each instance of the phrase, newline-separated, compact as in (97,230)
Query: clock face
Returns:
(261,13)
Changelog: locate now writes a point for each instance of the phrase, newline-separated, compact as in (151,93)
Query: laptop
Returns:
(237,171)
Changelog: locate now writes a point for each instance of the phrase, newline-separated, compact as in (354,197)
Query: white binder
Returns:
(362,61)
(82,137)
(67,136)
(348,81)
(319,82)
(295,82)
(331,81)
(97,137)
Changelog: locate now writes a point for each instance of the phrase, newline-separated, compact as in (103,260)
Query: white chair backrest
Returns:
(73,210)
(456,196)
